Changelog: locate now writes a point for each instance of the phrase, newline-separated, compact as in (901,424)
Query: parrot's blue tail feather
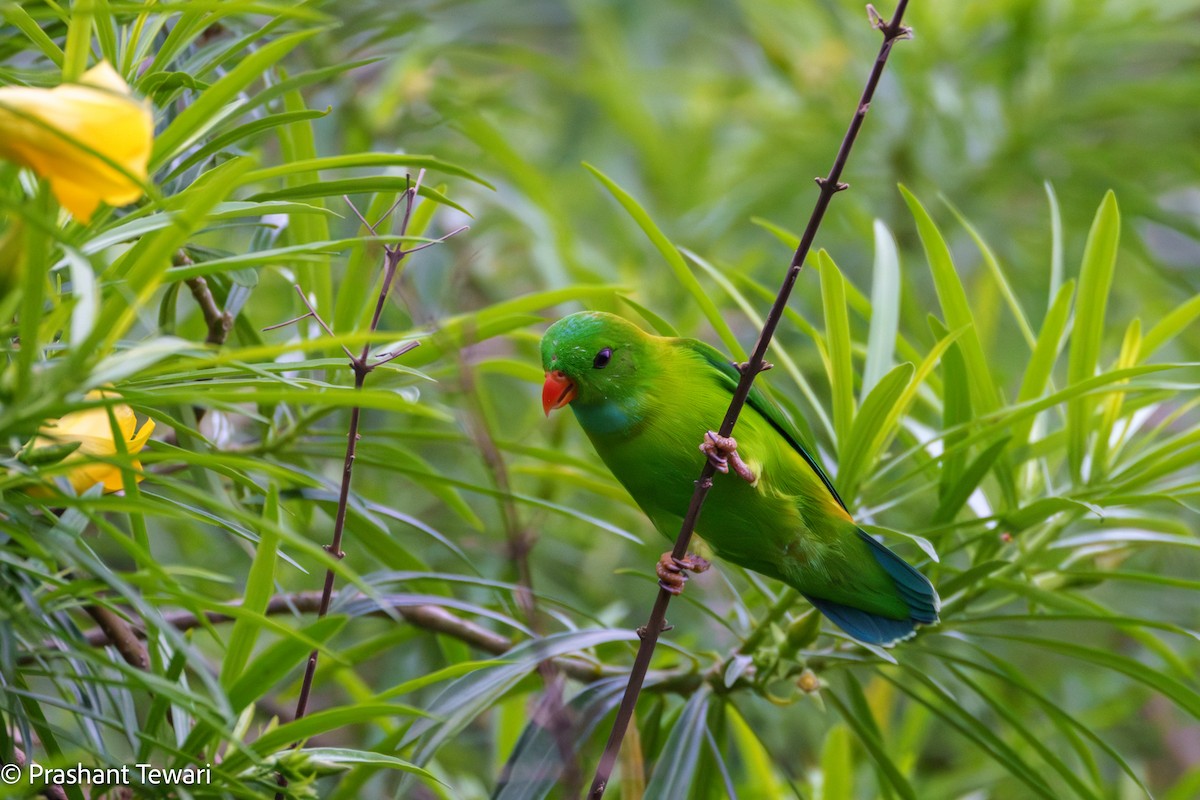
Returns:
(863,625)
(914,589)
(918,593)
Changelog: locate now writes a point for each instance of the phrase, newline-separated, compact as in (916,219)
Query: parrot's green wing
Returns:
(764,406)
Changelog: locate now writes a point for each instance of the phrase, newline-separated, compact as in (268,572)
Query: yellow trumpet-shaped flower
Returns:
(43,129)
(92,430)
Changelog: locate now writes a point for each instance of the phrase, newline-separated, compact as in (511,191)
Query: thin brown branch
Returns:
(427,617)
(120,634)
(829,186)
(312,314)
(219,322)
(362,367)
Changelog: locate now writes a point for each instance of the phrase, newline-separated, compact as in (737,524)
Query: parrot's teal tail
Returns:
(914,588)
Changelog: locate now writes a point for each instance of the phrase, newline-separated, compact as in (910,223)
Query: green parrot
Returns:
(646,401)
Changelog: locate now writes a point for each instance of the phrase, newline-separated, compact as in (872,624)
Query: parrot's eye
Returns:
(602,358)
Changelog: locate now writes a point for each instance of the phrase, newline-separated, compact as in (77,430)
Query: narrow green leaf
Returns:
(955,308)
(761,778)
(885,309)
(1056,243)
(874,428)
(320,722)
(1017,723)
(1041,362)
(866,436)
(1183,695)
(132,227)
(376,161)
(660,325)
(83,289)
(437,676)
(993,265)
(464,699)
(34,267)
(342,756)
(950,710)
(309,252)
(868,734)
(241,135)
(678,762)
(268,668)
(351,186)
(1095,281)
(1043,508)
(19,18)
(260,585)
(1170,326)
(144,265)
(956,412)
(1105,434)
(539,754)
(674,259)
(210,107)
(959,492)
(837,336)
(837,767)
(791,240)
(1068,723)
(777,353)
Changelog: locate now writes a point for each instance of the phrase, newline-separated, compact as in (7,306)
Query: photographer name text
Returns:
(129,774)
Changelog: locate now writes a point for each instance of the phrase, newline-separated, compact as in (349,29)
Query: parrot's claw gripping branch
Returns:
(723,455)
(830,185)
(672,571)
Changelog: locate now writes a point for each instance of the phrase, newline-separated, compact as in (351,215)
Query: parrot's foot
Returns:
(672,572)
(722,453)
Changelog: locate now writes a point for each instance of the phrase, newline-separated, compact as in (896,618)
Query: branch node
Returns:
(742,366)
(837,187)
(328,548)
(889,30)
(361,218)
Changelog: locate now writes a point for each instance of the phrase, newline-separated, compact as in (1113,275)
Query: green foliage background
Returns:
(1025,409)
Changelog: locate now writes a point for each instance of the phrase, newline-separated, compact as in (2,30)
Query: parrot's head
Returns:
(590,357)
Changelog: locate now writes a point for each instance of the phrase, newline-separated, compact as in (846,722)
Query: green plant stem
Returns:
(830,185)
(786,600)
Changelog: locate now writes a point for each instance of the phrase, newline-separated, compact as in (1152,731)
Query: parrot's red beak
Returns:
(557,391)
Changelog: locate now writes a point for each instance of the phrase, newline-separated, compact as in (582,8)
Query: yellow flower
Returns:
(99,112)
(92,430)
